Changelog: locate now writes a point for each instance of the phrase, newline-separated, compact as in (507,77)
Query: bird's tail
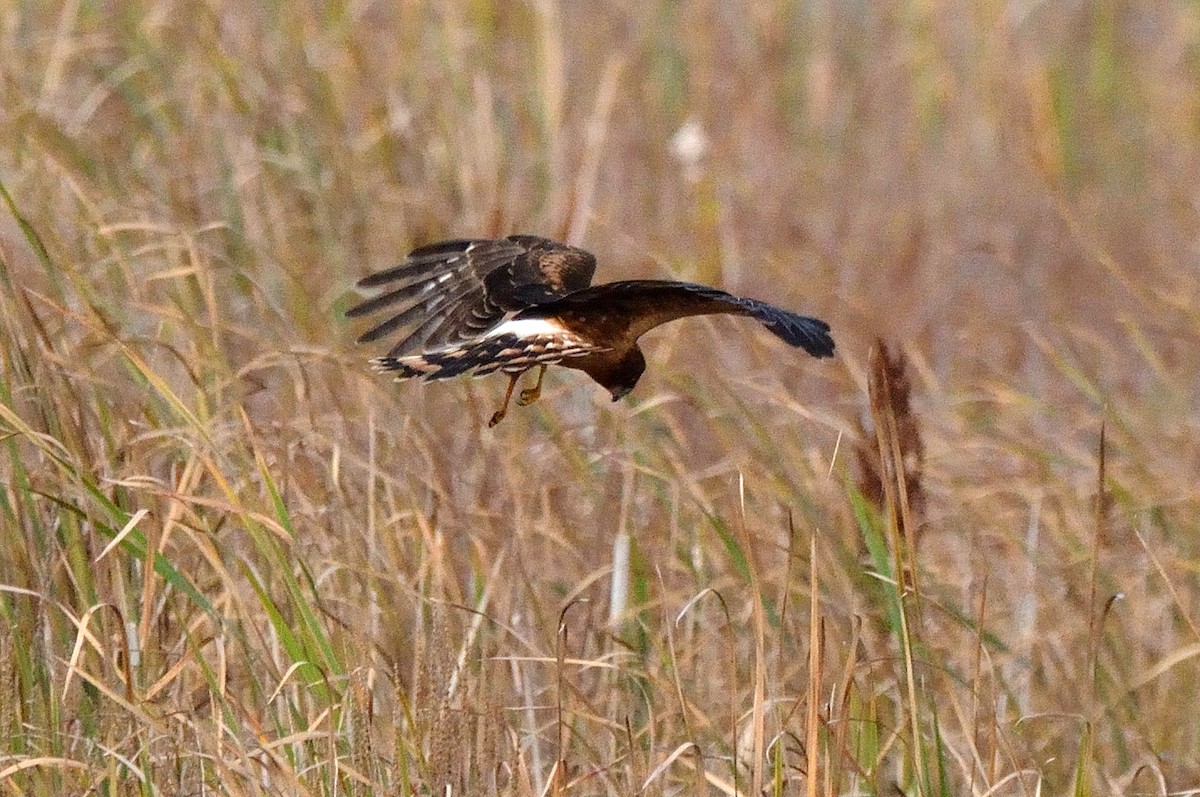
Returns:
(508,353)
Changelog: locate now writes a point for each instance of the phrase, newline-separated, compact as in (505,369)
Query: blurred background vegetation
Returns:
(234,561)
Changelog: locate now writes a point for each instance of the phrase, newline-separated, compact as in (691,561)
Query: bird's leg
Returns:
(534,393)
(499,414)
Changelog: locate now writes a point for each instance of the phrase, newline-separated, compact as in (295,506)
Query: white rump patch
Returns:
(526,328)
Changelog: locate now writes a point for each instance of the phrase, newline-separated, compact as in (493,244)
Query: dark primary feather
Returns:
(631,308)
(420,262)
(456,290)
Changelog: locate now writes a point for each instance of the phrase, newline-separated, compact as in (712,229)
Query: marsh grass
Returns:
(234,561)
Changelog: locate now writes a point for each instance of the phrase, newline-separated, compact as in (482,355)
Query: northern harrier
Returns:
(480,306)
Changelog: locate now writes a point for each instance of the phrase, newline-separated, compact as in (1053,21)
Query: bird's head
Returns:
(622,378)
(620,392)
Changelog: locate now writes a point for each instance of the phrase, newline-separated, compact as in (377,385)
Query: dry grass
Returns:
(234,561)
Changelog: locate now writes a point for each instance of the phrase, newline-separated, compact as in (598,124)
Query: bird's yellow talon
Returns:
(529,396)
(532,394)
(499,414)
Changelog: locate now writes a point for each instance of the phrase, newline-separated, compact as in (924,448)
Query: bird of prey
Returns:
(479,306)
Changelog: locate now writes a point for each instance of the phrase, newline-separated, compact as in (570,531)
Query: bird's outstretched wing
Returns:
(456,290)
(626,310)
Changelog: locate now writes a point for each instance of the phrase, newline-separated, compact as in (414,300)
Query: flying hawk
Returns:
(479,306)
